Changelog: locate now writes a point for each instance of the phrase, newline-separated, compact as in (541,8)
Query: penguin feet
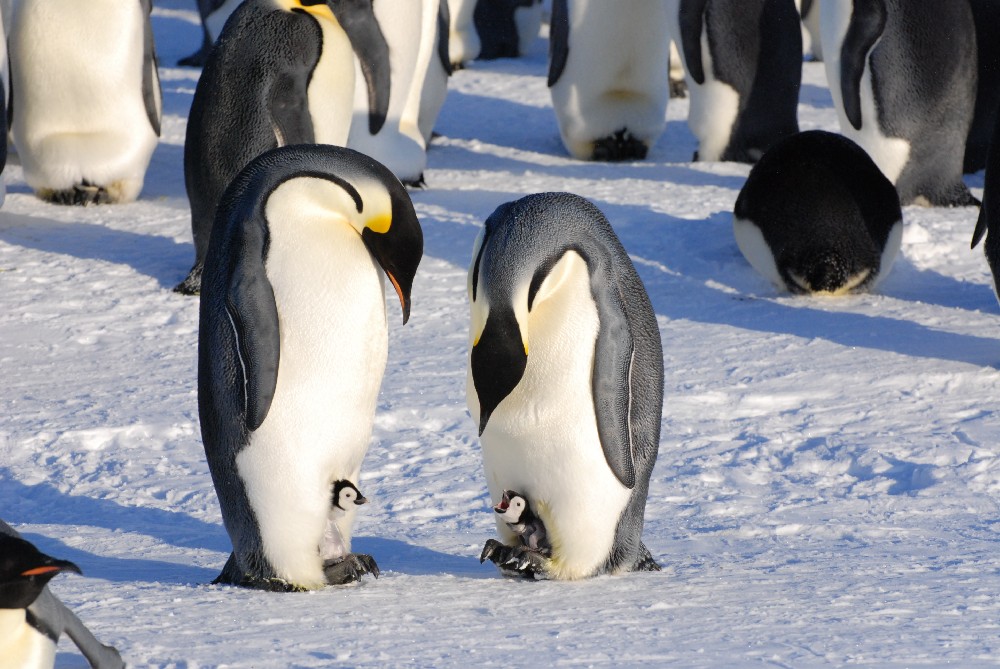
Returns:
(191,285)
(618,147)
(349,568)
(958,195)
(646,561)
(82,194)
(418,183)
(514,561)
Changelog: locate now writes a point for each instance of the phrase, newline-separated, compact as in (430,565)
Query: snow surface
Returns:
(828,480)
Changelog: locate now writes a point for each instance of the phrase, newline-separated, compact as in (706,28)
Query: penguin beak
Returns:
(361,499)
(362,28)
(398,248)
(50,569)
(499,358)
(504,502)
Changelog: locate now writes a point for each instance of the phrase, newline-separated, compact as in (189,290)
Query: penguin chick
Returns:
(516,512)
(338,563)
(31,618)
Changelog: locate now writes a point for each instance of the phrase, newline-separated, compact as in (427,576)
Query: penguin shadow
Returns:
(694,271)
(818,97)
(160,258)
(405,558)
(908,282)
(43,504)
(167,166)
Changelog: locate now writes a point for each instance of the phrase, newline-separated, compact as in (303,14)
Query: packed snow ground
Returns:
(828,479)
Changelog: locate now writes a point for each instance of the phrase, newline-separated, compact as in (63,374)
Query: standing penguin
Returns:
(506,28)
(743,65)
(608,64)
(31,618)
(565,382)
(817,216)
(87,113)
(214,14)
(291,351)
(902,74)
(282,73)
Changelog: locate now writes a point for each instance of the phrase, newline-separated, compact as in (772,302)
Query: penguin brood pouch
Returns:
(565,383)
(292,347)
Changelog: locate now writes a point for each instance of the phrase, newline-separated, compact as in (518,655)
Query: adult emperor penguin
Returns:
(608,65)
(743,65)
(214,14)
(902,74)
(817,216)
(282,73)
(414,60)
(506,28)
(87,113)
(291,351)
(565,382)
(31,618)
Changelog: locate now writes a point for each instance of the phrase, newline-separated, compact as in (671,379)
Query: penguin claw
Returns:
(514,561)
(350,568)
(82,194)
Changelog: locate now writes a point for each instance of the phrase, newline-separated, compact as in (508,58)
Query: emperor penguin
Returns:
(214,14)
(291,350)
(31,618)
(986,15)
(565,383)
(463,40)
(414,61)
(816,215)
(809,11)
(4,92)
(608,65)
(282,73)
(743,65)
(506,28)
(333,549)
(902,74)
(988,223)
(87,113)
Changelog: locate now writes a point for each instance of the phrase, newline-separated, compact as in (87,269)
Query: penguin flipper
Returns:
(558,41)
(289,109)
(614,356)
(358,20)
(151,93)
(867,23)
(250,300)
(980,230)
(691,18)
(54,613)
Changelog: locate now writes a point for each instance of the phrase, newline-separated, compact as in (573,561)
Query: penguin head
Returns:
(516,267)
(513,507)
(345,494)
(25,571)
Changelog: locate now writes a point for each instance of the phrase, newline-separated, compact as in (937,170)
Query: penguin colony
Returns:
(295,233)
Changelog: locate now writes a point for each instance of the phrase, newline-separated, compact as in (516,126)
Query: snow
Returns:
(828,480)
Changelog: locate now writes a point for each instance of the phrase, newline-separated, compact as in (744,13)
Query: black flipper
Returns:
(357,18)
(289,109)
(866,26)
(558,40)
(691,18)
(151,94)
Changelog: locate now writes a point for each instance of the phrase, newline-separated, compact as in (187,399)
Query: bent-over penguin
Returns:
(291,351)
(608,65)
(282,73)
(817,216)
(565,382)
(902,74)
(31,618)
(743,66)
(86,98)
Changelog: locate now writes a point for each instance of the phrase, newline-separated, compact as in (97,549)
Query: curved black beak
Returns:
(361,499)
(398,250)
(357,18)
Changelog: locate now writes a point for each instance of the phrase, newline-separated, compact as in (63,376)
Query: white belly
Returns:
(21,646)
(331,310)
(331,88)
(77,69)
(542,439)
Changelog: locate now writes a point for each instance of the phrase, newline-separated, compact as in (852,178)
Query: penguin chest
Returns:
(542,439)
(22,646)
(330,300)
(331,87)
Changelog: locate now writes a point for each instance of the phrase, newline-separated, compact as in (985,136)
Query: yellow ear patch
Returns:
(321,10)
(379,223)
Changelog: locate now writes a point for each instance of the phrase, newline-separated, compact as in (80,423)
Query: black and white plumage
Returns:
(902,74)
(988,223)
(334,550)
(292,348)
(817,216)
(743,65)
(31,618)
(282,73)
(565,380)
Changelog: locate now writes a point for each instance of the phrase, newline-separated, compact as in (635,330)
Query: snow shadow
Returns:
(160,258)
(405,558)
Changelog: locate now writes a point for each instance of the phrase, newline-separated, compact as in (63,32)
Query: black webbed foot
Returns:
(349,568)
(191,285)
(618,147)
(513,561)
(82,194)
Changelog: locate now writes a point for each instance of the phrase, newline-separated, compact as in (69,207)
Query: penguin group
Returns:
(310,121)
